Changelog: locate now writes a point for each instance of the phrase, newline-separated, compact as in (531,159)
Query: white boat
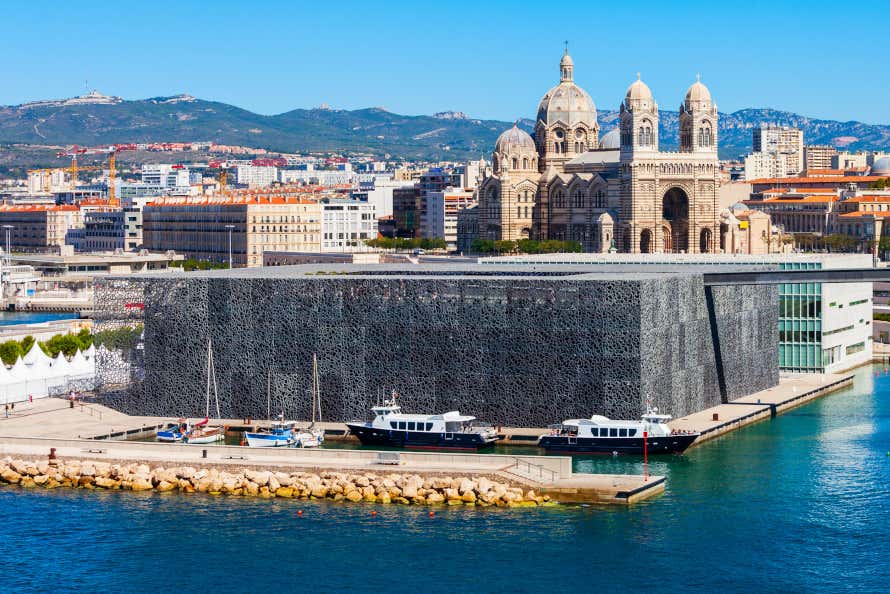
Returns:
(279,434)
(312,437)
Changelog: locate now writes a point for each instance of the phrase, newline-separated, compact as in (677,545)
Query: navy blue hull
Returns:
(419,439)
(671,444)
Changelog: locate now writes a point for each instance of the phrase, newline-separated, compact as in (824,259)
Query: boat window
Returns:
(594,431)
(452,426)
(410,425)
(393,424)
(613,432)
(631,432)
(401,424)
(429,426)
(622,433)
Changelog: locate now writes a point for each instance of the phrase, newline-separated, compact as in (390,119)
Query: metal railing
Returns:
(94,412)
(534,471)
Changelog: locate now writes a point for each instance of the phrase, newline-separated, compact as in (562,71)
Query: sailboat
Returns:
(281,433)
(312,437)
(201,433)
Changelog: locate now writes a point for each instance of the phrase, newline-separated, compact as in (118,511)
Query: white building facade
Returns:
(346,225)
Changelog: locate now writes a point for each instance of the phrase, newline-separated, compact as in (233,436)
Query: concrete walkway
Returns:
(53,417)
(793,390)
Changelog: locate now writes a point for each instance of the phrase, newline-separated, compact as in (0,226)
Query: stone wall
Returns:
(512,351)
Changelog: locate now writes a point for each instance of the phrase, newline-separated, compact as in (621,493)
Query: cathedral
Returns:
(612,192)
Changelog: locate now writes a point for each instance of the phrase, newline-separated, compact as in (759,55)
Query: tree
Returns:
(10,351)
(26,343)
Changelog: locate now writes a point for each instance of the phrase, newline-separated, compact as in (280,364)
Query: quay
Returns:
(793,390)
(50,423)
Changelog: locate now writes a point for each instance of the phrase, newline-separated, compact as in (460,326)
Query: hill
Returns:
(97,119)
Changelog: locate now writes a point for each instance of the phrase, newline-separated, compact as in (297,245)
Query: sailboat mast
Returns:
(209,371)
(269,395)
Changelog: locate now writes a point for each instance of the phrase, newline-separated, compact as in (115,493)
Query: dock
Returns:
(34,429)
(793,390)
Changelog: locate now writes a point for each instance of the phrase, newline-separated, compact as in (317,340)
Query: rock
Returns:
(141,484)
(362,481)
(409,490)
(483,485)
(435,497)
(41,479)
(85,482)
(264,492)
(11,476)
(451,494)
(274,485)
(252,488)
(284,492)
(531,496)
(27,482)
(320,492)
(384,497)
(165,486)
(284,479)
(466,486)
(469,497)
(354,496)
(107,483)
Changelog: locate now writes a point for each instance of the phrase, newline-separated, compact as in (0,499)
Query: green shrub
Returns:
(10,351)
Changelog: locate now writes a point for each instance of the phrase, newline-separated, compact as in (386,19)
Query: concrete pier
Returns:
(793,390)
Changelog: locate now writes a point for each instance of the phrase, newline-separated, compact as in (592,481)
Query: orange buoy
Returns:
(432,514)
(373,514)
(300,512)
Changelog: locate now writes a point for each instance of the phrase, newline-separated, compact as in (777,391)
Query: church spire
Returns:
(566,66)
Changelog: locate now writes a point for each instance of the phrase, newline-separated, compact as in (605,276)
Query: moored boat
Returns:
(600,435)
(202,434)
(173,434)
(448,431)
(279,434)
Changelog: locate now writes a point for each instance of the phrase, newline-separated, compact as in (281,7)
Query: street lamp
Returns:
(230,228)
(8,229)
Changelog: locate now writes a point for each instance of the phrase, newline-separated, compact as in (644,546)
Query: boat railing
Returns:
(534,471)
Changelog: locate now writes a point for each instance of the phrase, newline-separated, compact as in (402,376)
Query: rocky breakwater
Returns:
(336,486)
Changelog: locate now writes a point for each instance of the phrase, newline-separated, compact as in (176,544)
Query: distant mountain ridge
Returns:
(95,119)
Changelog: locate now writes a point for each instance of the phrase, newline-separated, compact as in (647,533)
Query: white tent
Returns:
(81,366)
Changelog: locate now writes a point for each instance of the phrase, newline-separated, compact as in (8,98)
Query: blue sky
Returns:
(489,59)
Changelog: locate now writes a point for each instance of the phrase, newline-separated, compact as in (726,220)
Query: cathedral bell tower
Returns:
(698,121)
(638,120)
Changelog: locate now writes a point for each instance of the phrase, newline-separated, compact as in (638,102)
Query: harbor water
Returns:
(796,503)
(13,318)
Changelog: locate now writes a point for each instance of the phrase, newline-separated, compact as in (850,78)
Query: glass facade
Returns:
(800,323)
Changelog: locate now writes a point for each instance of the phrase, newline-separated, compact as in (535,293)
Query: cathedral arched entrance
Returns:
(704,241)
(645,241)
(667,245)
(675,210)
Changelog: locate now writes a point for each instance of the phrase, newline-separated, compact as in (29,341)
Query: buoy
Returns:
(300,513)
(373,514)
(432,514)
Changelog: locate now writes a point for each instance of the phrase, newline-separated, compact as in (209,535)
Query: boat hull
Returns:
(169,436)
(420,439)
(669,444)
(203,439)
(267,440)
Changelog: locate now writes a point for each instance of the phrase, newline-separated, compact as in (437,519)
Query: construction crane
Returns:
(111,151)
(223,175)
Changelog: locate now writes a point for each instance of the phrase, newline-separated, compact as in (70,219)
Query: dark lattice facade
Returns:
(510,349)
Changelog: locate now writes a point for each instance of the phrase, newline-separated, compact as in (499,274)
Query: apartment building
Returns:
(778,152)
(819,157)
(442,213)
(346,225)
(39,227)
(202,228)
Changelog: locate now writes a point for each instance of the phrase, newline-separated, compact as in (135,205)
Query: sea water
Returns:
(799,503)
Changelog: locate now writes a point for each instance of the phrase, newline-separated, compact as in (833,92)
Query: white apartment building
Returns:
(442,213)
(256,176)
(346,224)
(166,176)
(778,152)
(378,191)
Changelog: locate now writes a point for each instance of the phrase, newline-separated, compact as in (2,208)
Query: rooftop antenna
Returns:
(86,87)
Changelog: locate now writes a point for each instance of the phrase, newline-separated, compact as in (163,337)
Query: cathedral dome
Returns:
(881,167)
(513,139)
(611,139)
(638,91)
(567,102)
(698,92)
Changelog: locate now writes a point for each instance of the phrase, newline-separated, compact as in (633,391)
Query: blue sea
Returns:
(799,503)
(12,318)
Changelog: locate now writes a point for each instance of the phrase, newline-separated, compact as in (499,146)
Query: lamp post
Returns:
(230,228)
(7,229)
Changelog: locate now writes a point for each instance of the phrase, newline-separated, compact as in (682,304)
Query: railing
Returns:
(534,471)
(94,412)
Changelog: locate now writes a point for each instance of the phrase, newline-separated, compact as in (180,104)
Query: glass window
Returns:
(393,424)
(411,426)
(622,433)
(613,432)
(401,424)
(631,432)
(429,426)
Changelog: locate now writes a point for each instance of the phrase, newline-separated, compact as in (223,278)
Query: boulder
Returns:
(11,476)
(409,490)
(106,482)
(141,484)
(274,485)
(435,497)
(354,496)
(284,492)
(466,486)
(41,479)
(166,486)
(469,497)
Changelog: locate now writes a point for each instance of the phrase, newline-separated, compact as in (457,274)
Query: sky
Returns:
(492,60)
